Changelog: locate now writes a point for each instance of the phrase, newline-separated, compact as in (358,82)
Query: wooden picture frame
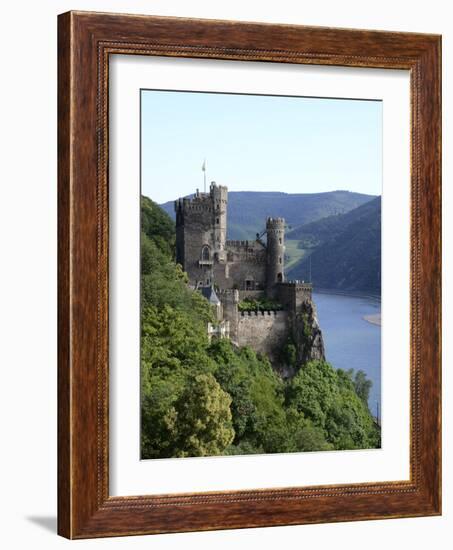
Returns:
(85,42)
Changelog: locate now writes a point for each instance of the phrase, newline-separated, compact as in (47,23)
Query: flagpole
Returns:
(203,167)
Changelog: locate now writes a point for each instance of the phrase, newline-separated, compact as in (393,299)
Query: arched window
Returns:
(249,283)
(205,253)
(280,277)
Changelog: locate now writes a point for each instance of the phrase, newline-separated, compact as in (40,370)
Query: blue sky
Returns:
(259,143)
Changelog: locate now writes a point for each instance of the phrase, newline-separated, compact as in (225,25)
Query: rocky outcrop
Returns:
(307,334)
(290,337)
(304,344)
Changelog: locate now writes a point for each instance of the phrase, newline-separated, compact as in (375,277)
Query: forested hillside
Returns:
(200,398)
(247,211)
(345,250)
(315,233)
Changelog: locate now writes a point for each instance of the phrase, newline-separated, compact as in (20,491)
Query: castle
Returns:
(229,273)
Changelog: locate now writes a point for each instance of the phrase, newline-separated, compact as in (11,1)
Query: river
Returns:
(350,341)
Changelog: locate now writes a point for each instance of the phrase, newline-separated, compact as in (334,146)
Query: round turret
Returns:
(275,229)
(219,199)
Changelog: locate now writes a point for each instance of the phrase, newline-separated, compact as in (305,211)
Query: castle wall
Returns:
(208,258)
(240,269)
(265,332)
(293,294)
(245,261)
(235,275)
(246,250)
(230,300)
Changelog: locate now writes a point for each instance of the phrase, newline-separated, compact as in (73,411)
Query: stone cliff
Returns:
(306,341)
(307,334)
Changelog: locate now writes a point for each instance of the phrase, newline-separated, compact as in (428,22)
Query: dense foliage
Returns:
(259,304)
(200,398)
(346,250)
(157,226)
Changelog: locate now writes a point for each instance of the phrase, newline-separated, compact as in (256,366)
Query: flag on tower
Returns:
(203,168)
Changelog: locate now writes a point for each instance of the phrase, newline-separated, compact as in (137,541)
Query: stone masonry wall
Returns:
(265,332)
(234,274)
(293,294)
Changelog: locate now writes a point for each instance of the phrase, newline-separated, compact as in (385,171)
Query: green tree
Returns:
(362,385)
(327,397)
(257,398)
(173,350)
(158,226)
(204,418)
(288,355)
(303,435)
(165,284)
(200,398)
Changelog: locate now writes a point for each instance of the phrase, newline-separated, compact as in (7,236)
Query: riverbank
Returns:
(350,293)
(350,341)
(374,319)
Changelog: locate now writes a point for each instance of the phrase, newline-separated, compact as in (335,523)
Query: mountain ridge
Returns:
(248,210)
(346,250)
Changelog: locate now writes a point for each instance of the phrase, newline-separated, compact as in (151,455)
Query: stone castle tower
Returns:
(201,227)
(245,270)
(209,258)
(275,231)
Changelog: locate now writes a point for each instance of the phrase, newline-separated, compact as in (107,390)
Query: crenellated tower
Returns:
(201,226)
(219,198)
(275,229)
(230,273)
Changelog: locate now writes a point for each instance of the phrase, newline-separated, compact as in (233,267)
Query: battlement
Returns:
(230,273)
(297,285)
(199,202)
(220,191)
(203,202)
(275,223)
(246,249)
(293,294)
(207,256)
(262,313)
(239,244)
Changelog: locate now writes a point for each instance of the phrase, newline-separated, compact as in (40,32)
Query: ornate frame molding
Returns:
(86,40)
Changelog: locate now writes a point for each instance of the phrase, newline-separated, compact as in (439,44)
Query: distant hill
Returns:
(313,234)
(346,250)
(247,210)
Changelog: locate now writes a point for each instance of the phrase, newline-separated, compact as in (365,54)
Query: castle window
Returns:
(280,240)
(280,278)
(249,284)
(280,260)
(205,254)
(217,220)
